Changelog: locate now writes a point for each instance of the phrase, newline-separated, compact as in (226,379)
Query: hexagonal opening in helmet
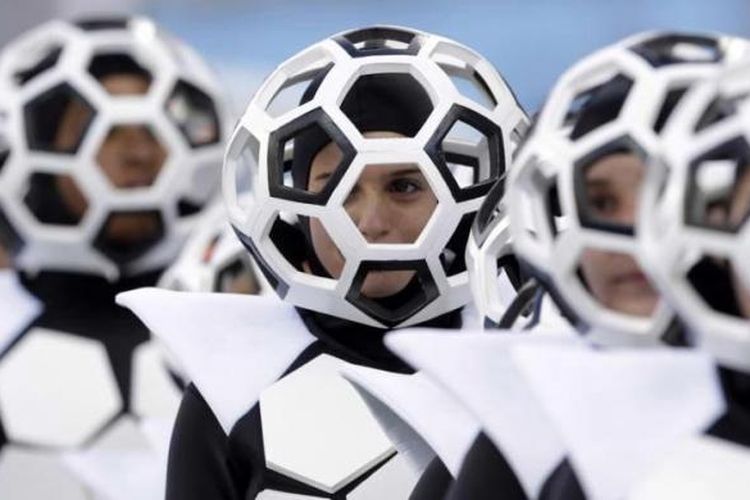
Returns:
(131,156)
(469,152)
(718,189)
(390,203)
(379,40)
(120,74)
(597,106)
(310,142)
(55,199)
(676,48)
(194,114)
(615,281)
(607,185)
(392,291)
(57,120)
(127,235)
(387,102)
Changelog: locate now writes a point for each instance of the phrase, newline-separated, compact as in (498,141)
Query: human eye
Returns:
(405,186)
(603,203)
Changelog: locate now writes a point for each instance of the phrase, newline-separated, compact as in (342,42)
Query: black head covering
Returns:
(393,102)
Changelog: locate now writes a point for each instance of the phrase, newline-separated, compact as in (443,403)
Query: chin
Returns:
(385,283)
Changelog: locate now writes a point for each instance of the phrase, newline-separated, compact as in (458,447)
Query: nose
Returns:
(142,157)
(371,215)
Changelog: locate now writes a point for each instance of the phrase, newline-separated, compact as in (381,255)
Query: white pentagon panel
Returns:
(124,434)
(56,389)
(317,430)
(31,474)
(392,480)
(153,392)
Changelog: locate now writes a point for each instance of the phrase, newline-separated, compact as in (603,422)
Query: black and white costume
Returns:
(268,414)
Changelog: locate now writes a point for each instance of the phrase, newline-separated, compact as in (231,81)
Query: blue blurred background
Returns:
(530,41)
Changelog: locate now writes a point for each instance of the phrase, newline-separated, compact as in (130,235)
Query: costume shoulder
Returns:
(230,346)
(478,370)
(18,308)
(424,408)
(618,412)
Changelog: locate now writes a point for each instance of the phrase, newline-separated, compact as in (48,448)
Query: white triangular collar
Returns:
(619,411)
(477,369)
(436,416)
(699,467)
(230,346)
(18,308)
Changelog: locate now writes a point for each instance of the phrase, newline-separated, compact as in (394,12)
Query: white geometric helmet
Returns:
(58,67)
(461,142)
(697,238)
(614,101)
(213,259)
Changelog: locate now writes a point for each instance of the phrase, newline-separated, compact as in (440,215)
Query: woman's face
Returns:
(739,208)
(388,204)
(130,157)
(612,185)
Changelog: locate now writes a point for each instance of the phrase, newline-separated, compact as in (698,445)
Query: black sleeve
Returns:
(198,459)
(486,475)
(434,482)
(562,484)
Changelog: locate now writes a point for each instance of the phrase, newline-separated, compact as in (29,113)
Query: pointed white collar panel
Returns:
(478,370)
(18,308)
(435,415)
(230,346)
(697,468)
(618,412)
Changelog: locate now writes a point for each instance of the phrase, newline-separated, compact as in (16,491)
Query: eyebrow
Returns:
(405,171)
(597,183)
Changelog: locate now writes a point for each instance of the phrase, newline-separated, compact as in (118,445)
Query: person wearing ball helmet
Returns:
(572,201)
(366,160)
(114,133)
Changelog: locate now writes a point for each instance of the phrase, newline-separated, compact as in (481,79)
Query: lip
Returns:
(631,278)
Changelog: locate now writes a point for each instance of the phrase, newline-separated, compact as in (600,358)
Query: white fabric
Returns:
(230,346)
(438,418)
(478,370)
(618,412)
(698,468)
(18,308)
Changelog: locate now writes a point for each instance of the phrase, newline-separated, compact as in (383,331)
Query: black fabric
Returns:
(197,453)
(380,102)
(434,482)
(562,484)
(734,424)
(485,475)
(602,107)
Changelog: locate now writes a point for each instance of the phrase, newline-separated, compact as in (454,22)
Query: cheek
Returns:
(325,249)
(594,266)
(416,216)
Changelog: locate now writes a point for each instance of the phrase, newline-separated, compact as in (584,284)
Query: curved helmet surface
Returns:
(636,83)
(461,145)
(59,118)
(697,237)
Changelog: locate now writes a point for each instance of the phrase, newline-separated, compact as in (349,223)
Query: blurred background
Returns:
(530,41)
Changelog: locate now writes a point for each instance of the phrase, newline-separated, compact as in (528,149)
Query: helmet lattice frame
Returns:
(550,226)
(255,154)
(182,109)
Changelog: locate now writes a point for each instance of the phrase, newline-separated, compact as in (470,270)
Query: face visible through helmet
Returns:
(696,241)
(576,184)
(364,185)
(115,135)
